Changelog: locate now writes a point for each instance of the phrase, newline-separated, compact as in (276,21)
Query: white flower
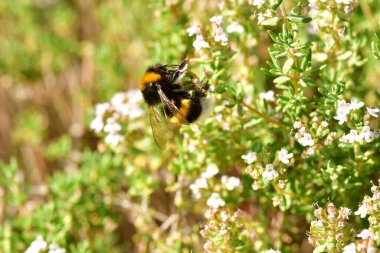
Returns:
(97,124)
(350,248)
(217,19)
(118,99)
(200,43)
(269,95)
(297,125)
(113,139)
(220,36)
(235,27)
(112,126)
(37,245)
(354,105)
(362,211)
(250,157)
(367,234)
(211,171)
(215,201)
(230,182)
(194,29)
(269,172)
(324,123)
(284,156)
(258,3)
(373,112)
(272,251)
(306,140)
(366,134)
(53,248)
(100,109)
(352,137)
(342,111)
(200,183)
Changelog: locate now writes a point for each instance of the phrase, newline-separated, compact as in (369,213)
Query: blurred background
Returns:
(59,58)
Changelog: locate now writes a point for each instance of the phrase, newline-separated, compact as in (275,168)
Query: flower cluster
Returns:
(223,230)
(364,243)
(201,183)
(345,6)
(364,135)
(218,33)
(330,232)
(200,41)
(303,137)
(262,10)
(344,109)
(109,117)
(40,245)
(204,182)
(371,207)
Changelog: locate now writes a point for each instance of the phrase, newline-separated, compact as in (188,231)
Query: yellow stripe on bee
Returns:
(184,109)
(149,77)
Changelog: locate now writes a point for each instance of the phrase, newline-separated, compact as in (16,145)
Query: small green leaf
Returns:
(293,18)
(288,65)
(271,21)
(281,79)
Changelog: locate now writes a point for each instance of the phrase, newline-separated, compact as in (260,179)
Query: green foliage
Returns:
(293,126)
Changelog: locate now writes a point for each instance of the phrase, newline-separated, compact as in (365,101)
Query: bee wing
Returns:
(172,108)
(159,127)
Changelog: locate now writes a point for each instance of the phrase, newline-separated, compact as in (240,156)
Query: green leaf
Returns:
(271,22)
(293,18)
(288,65)
(281,79)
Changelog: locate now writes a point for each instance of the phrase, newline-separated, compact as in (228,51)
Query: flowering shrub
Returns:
(285,162)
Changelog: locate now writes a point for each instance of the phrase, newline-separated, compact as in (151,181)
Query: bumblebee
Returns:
(172,95)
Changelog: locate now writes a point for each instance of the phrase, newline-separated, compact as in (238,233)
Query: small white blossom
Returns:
(297,125)
(324,123)
(258,3)
(284,156)
(373,112)
(194,29)
(112,126)
(53,248)
(362,211)
(272,251)
(354,105)
(270,173)
(200,43)
(113,139)
(200,183)
(211,171)
(269,95)
(350,248)
(37,245)
(235,27)
(217,19)
(250,157)
(305,139)
(97,124)
(220,36)
(367,234)
(230,182)
(342,111)
(100,109)
(215,201)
